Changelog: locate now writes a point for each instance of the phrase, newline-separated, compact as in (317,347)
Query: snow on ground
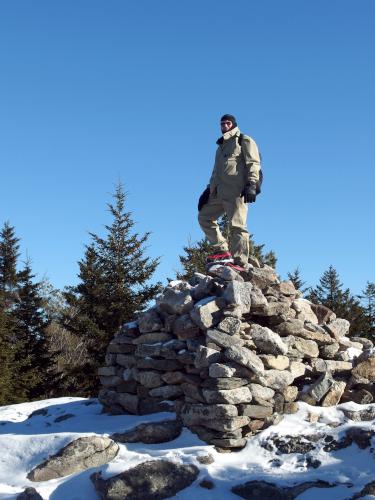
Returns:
(26,440)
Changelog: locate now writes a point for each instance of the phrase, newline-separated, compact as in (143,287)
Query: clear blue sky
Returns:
(92,92)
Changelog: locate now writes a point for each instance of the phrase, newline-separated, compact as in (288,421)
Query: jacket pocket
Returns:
(231,167)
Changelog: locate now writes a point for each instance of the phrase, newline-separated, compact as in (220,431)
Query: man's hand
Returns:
(203,199)
(249,193)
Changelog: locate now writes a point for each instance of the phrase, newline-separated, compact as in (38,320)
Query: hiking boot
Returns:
(221,258)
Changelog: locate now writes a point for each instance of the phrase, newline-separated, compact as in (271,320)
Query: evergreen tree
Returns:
(6,358)
(8,293)
(195,256)
(25,358)
(66,348)
(331,294)
(125,270)
(114,286)
(84,318)
(296,278)
(268,258)
(34,360)
(9,253)
(368,297)
(195,259)
(53,300)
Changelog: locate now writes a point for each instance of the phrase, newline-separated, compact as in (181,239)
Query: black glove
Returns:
(249,193)
(203,199)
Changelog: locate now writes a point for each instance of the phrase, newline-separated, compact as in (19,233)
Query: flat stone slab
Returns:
(224,383)
(230,396)
(259,391)
(322,366)
(195,413)
(155,432)
(179,378)
(246,358)
(223,339)
(276,379)
(167,392)
(149,379)
(227,424)
(256,411)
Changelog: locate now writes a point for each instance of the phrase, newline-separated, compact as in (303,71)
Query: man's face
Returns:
(226,125)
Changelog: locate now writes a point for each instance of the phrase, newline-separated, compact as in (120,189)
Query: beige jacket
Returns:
(235,165)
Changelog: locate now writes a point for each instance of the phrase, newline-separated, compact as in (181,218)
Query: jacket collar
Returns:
(228,135)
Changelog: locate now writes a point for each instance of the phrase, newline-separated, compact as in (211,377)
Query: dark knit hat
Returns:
(229,118)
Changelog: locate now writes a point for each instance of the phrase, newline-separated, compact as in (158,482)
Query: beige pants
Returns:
(236,211)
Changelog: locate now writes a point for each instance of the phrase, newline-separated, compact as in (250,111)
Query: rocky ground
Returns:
(68,448)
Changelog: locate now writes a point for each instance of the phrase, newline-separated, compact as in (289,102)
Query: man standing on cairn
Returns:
(235,181)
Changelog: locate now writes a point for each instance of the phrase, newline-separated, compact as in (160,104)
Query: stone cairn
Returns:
(230,356)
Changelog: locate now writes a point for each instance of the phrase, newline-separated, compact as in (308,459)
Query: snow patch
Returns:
(30,432)
(204,301)
(353,353)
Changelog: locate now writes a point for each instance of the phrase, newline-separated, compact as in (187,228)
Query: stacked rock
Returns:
(230,356)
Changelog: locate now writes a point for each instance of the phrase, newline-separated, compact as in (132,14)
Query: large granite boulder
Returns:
(79,455)
(153,480)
